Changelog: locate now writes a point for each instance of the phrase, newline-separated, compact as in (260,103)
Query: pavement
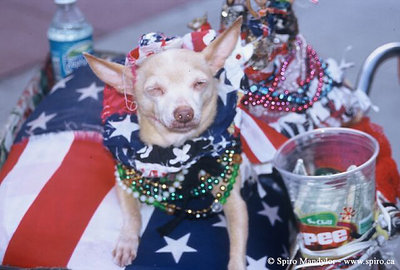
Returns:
(329,26)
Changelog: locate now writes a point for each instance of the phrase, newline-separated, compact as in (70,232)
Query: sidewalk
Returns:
(330,27)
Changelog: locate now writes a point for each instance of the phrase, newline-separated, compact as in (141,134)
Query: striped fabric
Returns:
(38,206)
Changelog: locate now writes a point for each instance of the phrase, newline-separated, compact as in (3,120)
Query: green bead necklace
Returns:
(164,192)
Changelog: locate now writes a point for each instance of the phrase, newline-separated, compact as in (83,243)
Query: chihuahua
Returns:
(176,95)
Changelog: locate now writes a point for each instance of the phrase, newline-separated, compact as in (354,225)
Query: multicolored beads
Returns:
(165,192)
(269,94)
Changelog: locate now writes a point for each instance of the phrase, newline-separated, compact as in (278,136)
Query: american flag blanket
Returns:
(58,205)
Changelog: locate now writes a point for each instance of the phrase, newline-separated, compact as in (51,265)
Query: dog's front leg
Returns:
(237,220)
(128,240)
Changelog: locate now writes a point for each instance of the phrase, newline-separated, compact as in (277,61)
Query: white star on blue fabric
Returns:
(261,191)
(257,264)
(61,84)
(41,121)
(224,89)
(221,223)
(180,155)
(91,91)
(176,247)
(124,128)
(271,213)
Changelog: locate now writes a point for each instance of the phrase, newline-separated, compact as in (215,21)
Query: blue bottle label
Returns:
(67,56)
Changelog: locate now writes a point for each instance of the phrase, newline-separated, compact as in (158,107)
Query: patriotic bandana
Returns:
(121,128)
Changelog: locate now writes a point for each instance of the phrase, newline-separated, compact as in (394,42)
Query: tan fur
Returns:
(166,82)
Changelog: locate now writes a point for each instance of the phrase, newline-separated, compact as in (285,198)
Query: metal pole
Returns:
(372,62)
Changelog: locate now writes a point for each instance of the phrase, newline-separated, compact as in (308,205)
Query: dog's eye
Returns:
(200,84)
(155,91)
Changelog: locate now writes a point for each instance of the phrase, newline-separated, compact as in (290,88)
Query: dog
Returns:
(176,95)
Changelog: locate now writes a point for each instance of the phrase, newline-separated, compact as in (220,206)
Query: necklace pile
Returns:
(270,95)
(165,192)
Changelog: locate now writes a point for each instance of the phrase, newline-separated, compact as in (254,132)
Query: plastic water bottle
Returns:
(69,35)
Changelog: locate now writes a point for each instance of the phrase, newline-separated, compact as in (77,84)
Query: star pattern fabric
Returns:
(124,128)
(221,223)
(92,91)
(40,122)
(62,83)
(257,264)
(271,213)
(224,90)
(177,247)
(69,110)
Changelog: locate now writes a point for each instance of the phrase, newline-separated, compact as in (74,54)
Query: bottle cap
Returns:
(64,2)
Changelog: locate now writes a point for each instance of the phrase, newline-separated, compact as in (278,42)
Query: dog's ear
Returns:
(220,49)
(113,74)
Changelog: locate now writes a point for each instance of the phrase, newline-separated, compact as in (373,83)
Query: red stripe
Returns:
(276,138)
(15,153)
(247,150)
(53,225)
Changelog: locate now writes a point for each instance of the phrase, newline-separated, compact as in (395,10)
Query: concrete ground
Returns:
(330,26)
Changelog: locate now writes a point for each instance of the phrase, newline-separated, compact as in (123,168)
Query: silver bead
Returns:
(216,207)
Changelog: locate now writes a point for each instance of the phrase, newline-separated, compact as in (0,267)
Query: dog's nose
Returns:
(183,114)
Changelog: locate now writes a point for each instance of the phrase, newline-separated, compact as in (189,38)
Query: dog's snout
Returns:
(183,114)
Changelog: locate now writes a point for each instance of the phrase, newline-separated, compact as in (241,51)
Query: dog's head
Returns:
(175,90)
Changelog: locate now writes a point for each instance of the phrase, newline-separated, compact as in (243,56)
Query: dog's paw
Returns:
(236,265)
(126,249)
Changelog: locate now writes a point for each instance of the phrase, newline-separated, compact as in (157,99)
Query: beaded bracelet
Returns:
(163,192)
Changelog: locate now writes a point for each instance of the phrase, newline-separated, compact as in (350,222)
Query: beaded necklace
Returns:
(269,94)
(165,191)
